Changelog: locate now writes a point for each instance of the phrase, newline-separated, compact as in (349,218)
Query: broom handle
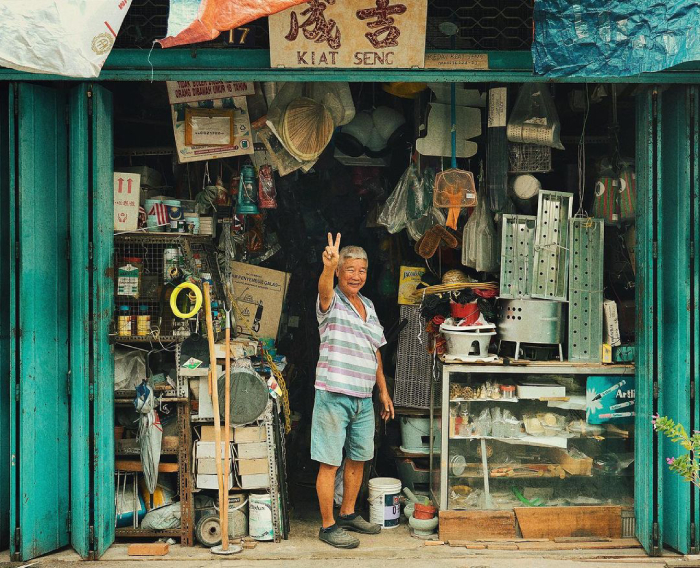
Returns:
(213,381)
(453,114)
(227,423)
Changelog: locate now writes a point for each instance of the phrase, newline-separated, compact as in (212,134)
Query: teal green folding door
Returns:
(91,307)
(39,421)
(667,301)
(645,443)
(5,253)
(57,203)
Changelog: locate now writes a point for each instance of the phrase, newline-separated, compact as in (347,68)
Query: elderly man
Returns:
(349,366)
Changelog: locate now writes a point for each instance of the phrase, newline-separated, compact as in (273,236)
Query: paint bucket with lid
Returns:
(384,505)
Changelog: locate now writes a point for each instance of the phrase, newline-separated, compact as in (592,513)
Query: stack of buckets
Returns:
(166,214)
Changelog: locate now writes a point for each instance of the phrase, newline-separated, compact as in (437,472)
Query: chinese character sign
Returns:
(350,33)
(127,191)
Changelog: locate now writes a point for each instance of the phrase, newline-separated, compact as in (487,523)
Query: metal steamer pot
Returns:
(530,321)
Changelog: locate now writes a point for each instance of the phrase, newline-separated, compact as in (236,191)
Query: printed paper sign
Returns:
(127,191)
(610,399)
(350,33)
(242,135)
(193,91)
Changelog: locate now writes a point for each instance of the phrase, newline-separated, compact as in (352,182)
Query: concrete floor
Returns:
(391,549)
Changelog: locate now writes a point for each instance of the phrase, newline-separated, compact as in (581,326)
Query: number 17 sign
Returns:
(350,33)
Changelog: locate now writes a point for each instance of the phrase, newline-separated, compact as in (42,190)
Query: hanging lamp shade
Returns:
(306,128)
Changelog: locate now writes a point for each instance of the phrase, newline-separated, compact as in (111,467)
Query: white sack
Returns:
(62,37)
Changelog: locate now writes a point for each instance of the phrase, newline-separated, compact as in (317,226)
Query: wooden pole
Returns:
(213,381)
(227,422)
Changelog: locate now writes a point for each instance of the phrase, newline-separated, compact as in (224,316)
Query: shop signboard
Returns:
(193,91)
(127,188)
(350,34)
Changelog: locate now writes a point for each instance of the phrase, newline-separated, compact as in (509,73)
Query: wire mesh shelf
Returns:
(143,263)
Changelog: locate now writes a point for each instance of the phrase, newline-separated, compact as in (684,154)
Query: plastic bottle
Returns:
(124,321)
(143,321)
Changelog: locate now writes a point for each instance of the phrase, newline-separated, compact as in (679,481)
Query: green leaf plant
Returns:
(686,465)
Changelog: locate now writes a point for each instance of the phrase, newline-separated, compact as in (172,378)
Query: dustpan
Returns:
(454,188)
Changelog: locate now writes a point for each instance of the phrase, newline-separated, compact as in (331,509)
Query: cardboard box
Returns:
(540,387)
(252,467)
(257,481)
(207,466)
(208,434)
(207,450)
(211,482)
(249,434)
(204,456)
(409,278)
(241,347)
(260,294)
(611,329)
(127,190)
(256,450)
(206,408)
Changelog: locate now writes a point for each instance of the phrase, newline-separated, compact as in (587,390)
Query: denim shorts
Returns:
(342,421)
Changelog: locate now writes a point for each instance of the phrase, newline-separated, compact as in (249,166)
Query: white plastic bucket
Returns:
(260,516)
(384,506)
(237,515)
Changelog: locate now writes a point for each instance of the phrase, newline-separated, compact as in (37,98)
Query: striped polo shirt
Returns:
(347,360)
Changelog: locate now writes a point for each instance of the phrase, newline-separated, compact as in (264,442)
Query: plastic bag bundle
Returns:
(163,518)
(480,248)
(534,119)
(395,213)
(129,369)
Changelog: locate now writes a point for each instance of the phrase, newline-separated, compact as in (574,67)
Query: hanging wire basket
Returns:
(529,158)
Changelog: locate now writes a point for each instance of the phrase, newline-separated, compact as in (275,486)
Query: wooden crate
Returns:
(472,525)
(552,522)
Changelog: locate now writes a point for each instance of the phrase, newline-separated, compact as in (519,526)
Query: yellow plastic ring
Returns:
(197,303)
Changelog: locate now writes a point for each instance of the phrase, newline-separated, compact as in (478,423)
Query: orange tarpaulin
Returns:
(216,16)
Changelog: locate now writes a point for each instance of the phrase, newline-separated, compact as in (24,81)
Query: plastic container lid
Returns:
(123,308)
(508,388)
(143,308)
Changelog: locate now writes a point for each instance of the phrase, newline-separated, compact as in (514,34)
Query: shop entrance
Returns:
(574,463)
(543,458)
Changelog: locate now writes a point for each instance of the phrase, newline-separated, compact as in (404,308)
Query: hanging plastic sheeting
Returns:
(497,150)
(480,248)
(534,119)
(194,21)
(150,434)
(589,38)
(63,37)
(395,213)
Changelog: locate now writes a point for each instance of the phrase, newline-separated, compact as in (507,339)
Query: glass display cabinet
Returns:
(532,434)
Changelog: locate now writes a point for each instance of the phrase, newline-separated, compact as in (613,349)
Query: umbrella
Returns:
(150,434)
